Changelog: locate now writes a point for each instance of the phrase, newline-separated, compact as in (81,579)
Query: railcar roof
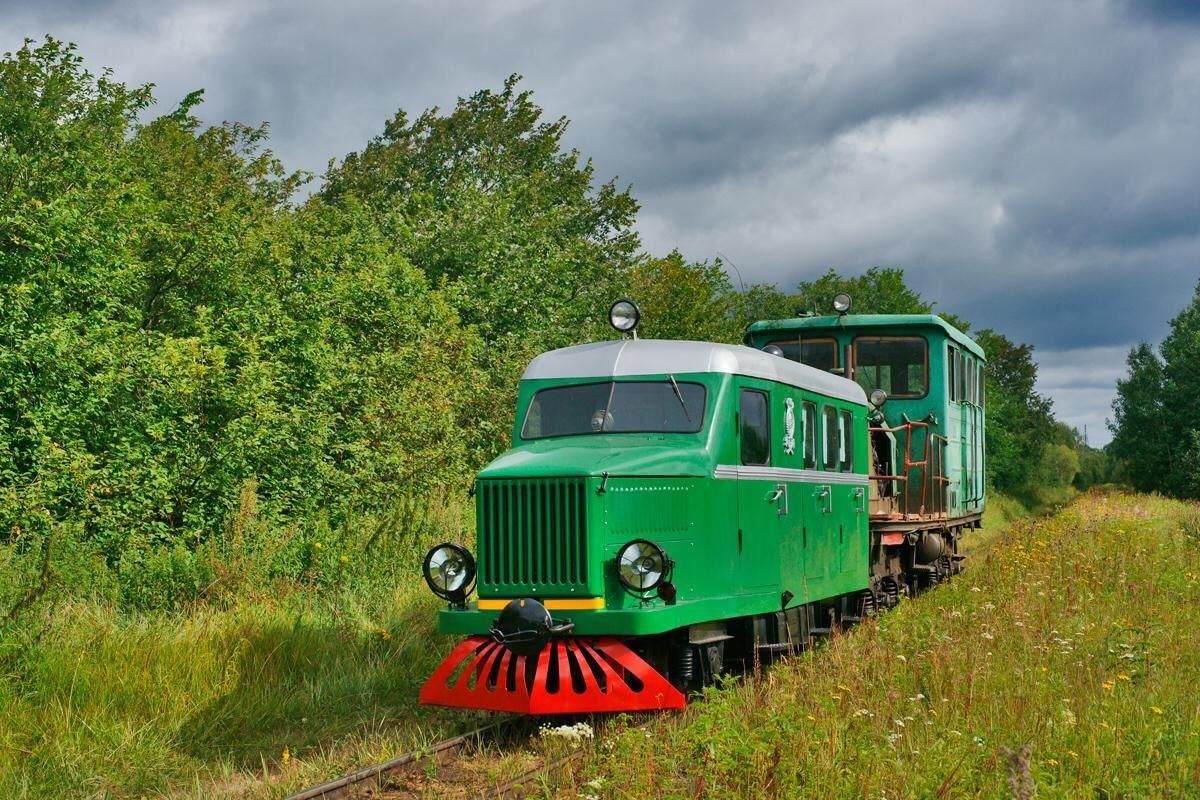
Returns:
(832,323)
(630,357)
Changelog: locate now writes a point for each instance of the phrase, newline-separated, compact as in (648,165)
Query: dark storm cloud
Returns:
(1032,166)
(1165,11)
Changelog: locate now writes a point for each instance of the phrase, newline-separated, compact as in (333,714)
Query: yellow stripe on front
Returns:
(551,604)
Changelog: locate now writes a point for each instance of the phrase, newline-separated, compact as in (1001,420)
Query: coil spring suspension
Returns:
(867,604)
(685,664)
(945,568)
(891,591)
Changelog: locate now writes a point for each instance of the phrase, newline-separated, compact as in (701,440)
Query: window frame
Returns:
(893,337)
(800,341)
(829,460)
(846,437)
(952,371)
(808,413)
(612,382)
(766,397)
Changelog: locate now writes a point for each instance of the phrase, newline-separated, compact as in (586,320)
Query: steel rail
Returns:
(349,785)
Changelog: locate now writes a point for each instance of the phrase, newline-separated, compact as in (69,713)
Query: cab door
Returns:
(759,493)
(817,507)
(790,442)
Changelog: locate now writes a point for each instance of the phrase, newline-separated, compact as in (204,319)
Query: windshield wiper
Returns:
(679,396)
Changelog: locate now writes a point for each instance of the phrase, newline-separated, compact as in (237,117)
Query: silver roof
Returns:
(659,357)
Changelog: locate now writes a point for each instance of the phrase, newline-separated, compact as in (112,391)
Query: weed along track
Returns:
(495,760)
(486,762)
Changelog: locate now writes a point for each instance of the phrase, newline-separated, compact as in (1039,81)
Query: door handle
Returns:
(858,497)
(780,492)
(826,494)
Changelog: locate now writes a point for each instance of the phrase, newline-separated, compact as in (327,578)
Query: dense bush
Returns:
(175,329)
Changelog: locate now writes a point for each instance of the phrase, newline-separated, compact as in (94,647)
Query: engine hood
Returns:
(617,454)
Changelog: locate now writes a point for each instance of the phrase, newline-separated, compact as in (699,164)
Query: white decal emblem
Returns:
(789,426)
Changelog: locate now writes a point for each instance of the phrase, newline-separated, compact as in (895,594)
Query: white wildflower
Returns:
(574,734)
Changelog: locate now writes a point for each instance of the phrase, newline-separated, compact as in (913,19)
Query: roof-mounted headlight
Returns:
(449,570)
(841,303)
(624,316)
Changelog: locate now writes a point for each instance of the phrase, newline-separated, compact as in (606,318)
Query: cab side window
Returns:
(810,435)
(952,369)
(846,428)
(832,440)
(756,427)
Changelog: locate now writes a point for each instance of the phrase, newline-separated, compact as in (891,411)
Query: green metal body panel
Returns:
(958,416)
(739,539)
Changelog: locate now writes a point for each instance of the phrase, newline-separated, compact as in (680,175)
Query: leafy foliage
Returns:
(1156,424)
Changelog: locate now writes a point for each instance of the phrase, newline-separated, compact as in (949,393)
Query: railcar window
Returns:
(896,364)
(615,407)
(846,428)
(950,370)
(832,441)
(810,435)
(964,367)
(820,353)
(756,427)
(982,389)
(972,376)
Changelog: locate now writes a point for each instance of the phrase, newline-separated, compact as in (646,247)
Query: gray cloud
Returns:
(1032,166)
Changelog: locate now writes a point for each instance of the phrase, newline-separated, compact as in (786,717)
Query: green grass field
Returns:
(1065,660)
(1073,634)
(283,687)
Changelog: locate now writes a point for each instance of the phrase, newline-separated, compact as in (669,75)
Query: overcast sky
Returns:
(1033,166)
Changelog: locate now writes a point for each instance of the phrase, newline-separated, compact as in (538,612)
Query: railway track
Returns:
(400,777)
(386,781)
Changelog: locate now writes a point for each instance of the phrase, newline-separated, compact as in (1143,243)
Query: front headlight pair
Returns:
(642,566)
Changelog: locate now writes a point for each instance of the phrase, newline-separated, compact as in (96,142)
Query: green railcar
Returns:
(933,376)
(670,508)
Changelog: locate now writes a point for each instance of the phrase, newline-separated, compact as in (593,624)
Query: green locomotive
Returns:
(671,507)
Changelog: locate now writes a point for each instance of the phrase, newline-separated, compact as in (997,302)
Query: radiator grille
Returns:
(532,536)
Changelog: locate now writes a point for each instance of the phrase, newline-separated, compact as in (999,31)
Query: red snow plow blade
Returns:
(568,676)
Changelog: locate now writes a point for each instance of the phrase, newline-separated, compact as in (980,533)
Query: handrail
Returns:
(931,497)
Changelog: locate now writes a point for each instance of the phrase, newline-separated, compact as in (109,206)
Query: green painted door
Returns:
(758,492)
(789,511)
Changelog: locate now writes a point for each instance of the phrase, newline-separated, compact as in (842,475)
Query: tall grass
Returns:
(1064,662)
(300,656)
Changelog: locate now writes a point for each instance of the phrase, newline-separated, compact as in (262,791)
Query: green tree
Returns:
(1020,422)
(1181,399)
(1156,419)
(1140,433)
(511,226)
(679,300)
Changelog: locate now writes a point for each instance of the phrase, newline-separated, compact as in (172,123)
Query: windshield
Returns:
(820,353)
(896,364)
(616,407)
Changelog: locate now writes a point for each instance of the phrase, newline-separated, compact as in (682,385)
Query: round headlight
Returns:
(773,350)
(841,302)
(449,570)
(878,398)
(642,565)
(624,315)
